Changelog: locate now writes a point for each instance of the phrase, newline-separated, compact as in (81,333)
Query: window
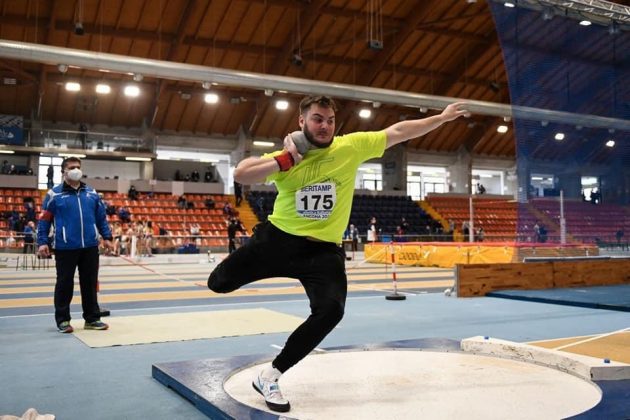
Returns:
(413,190)
(372,182)
(422,180)
(42,176)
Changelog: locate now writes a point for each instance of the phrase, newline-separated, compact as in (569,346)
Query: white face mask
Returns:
(75,174)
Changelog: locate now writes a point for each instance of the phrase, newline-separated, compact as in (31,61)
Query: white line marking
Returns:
(153,308)
(597,337)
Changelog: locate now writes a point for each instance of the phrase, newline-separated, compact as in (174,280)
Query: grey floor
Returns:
(58,374)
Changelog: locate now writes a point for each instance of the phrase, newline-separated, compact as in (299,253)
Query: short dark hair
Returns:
(69,159)
(323,101)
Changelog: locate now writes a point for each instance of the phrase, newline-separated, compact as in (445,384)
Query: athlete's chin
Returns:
(322,140)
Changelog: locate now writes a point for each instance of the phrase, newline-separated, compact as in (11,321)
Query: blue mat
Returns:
(616,298)
(201,382)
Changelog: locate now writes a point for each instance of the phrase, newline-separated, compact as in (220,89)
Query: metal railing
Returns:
(90,140)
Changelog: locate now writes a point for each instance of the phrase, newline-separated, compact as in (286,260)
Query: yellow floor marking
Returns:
(614,346)
(206,294)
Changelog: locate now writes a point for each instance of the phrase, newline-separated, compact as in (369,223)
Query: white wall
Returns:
(107,168)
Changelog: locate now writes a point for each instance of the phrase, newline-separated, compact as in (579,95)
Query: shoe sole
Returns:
(275,407)
(96,328)
(68,331)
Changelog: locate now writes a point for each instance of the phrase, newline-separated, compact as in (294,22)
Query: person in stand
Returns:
(79,217)
(352,234)
(29,207)
(234,226)
(228,210)
(404,226)
(372,233)
(29,240)
(50,172)
(302,237)
(124,215)
(83,130)
(238,193)
(132,194)
(619,234)
(536,229)
(182,202)
(195,232)
(210,204)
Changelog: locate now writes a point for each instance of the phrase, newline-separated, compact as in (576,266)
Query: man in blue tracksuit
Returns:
(79,216)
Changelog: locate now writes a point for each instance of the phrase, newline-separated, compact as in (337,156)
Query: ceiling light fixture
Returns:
(282,105)
(206,85)
(610,143)
(7,152)
(137,77)
(62,68)
(559,136)
(73,86)
(78,22)
(365,113)
(211,98)
(132,91)
(296,58)
(103,88)
(585,22)
(502,129)
(138,159)
(78,29)
(78,155)
(509,4)
(264,143)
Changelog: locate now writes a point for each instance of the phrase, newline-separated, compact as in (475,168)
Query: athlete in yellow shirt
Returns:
(303,235)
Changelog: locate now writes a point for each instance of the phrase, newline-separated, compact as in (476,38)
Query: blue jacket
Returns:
(78,215)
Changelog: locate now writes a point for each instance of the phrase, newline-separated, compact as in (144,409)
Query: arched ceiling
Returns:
(437,47)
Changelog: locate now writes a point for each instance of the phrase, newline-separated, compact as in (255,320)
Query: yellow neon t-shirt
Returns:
(315,196)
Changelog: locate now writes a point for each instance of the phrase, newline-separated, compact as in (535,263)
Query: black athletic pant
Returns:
(67,261)
(319,266)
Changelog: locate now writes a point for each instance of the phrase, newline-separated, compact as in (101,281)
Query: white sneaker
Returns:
(269,389)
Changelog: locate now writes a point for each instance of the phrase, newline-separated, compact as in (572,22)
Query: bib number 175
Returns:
(316,201)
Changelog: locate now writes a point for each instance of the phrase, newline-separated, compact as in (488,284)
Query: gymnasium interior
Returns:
(489,278)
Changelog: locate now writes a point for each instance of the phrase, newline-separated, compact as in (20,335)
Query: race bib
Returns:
(316,201)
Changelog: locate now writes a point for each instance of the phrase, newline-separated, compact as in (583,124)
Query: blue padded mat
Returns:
(616,298)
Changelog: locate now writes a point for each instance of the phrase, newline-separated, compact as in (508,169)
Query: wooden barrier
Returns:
(478,279)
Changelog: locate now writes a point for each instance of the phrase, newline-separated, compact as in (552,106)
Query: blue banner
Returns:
(11,130)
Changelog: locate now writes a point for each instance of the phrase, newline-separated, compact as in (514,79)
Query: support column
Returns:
(615,185)
(394,162)
(146,170)
(242,151)
(460,173)
(523,174)
(570,183)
